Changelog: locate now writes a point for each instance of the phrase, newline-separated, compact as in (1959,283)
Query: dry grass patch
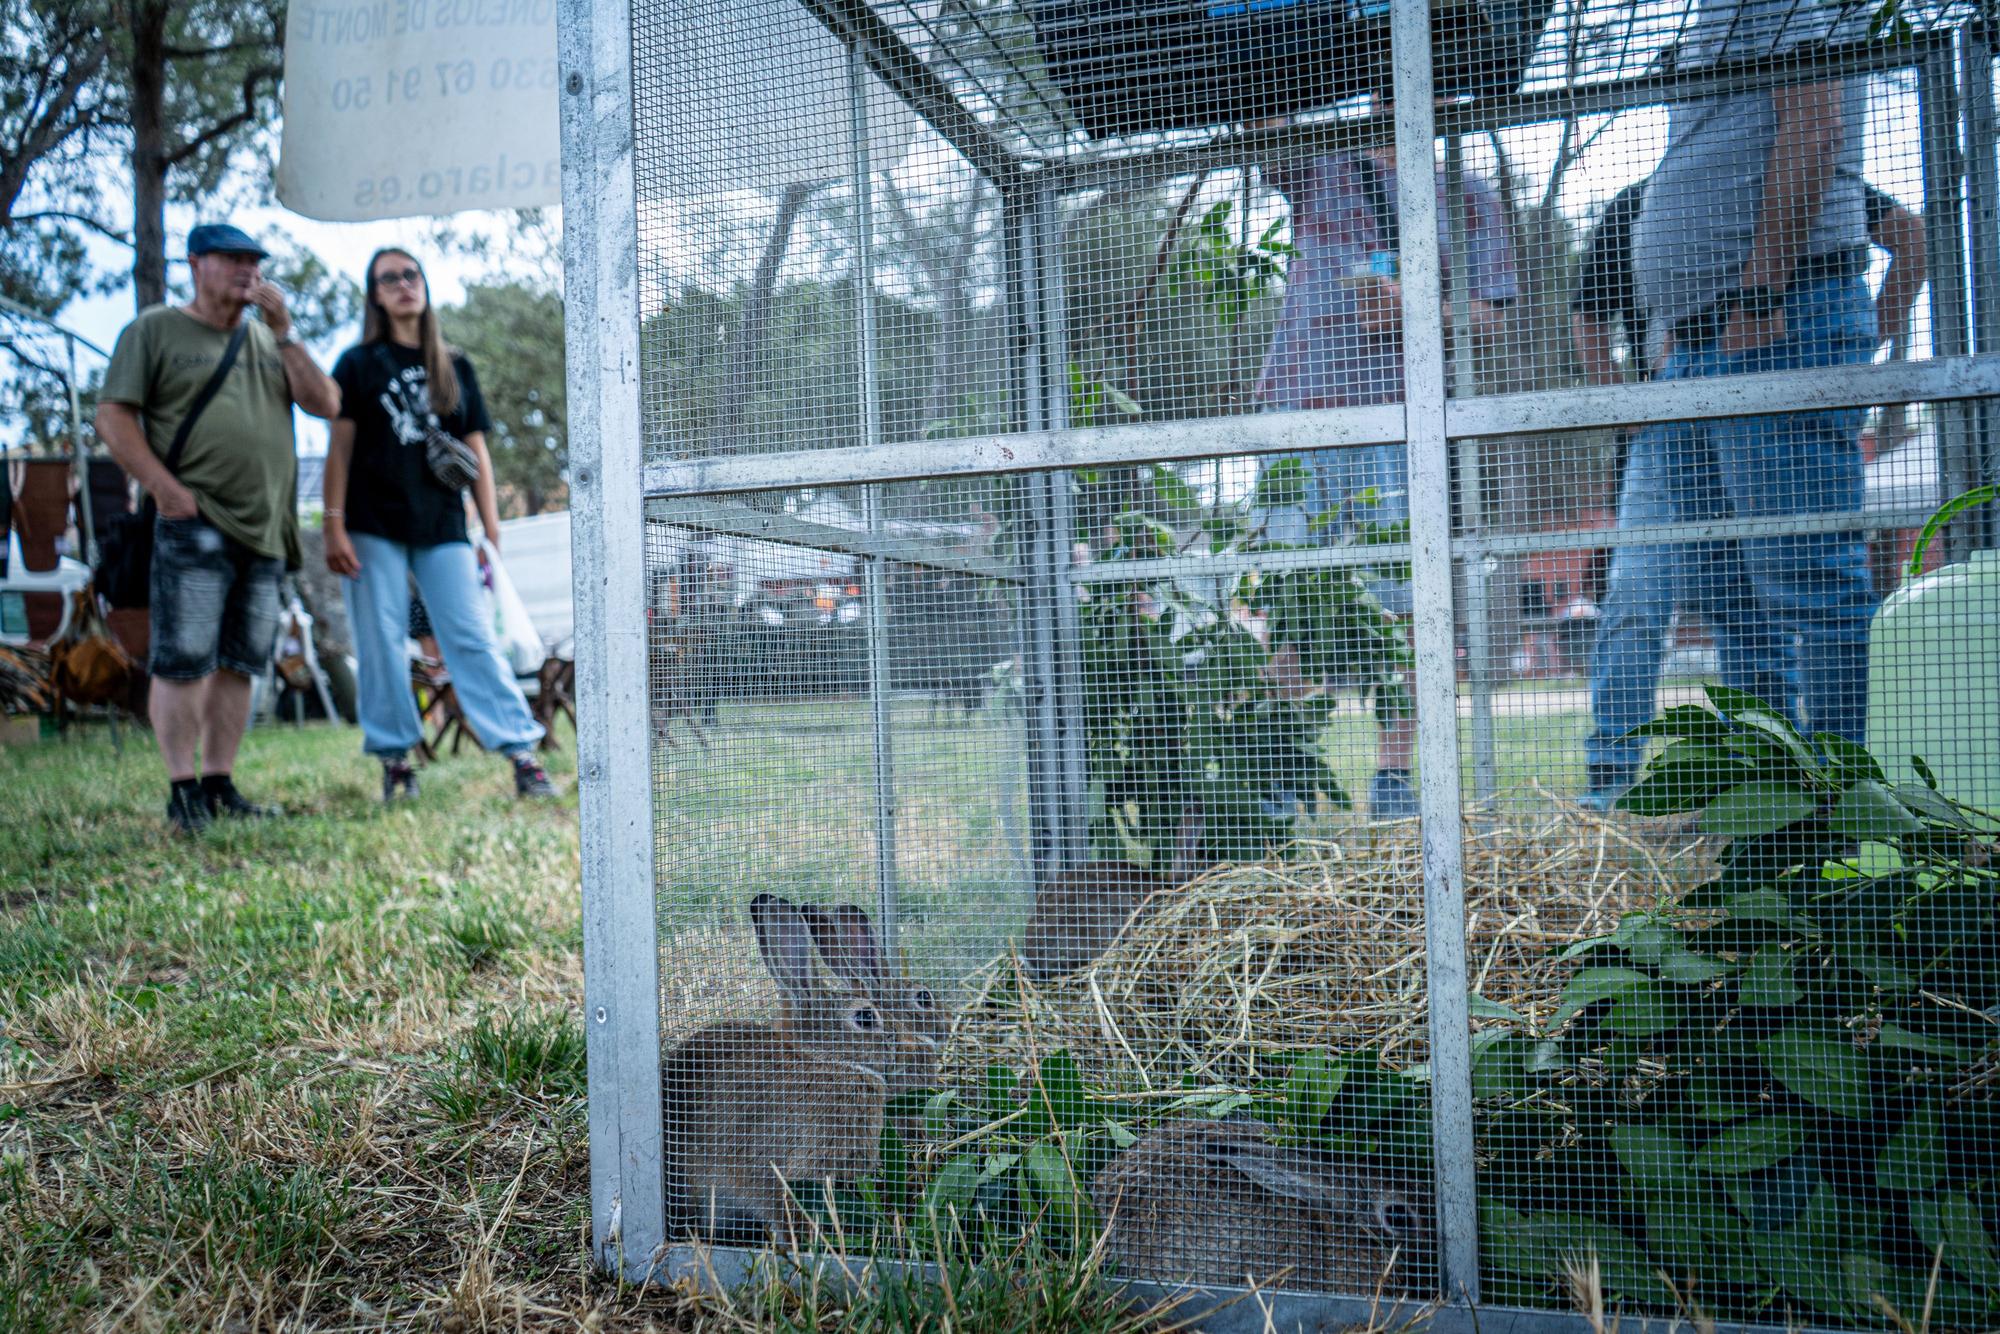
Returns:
(1322,951)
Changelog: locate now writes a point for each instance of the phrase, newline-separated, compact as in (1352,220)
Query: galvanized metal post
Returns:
(621,952)
(1471,502)
(1060,526)
(1944,172)
(880,705)
(1982,201)
(1437,677)
(1048,600)
(86,516)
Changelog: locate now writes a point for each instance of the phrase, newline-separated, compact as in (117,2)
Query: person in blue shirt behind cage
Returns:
(1339,343)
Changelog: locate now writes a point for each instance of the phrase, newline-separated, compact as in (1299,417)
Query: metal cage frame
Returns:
(616,492)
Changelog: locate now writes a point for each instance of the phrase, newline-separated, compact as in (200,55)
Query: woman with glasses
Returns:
(388,517)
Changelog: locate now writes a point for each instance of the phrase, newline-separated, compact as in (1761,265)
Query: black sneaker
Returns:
(397,775)
(531,779)
(225,802)
(187,811)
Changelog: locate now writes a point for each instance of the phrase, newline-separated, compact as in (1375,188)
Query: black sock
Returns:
(216,785)
(185,787)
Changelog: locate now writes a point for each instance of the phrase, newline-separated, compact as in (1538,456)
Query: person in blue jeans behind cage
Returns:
(1339,343)
(388,517)
(1750,254)
(1647,583)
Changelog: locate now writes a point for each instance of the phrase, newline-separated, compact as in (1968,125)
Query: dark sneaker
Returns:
(1602,788)
(531,779)
(226,803)
(1390,796)
(398,776)
(187,811)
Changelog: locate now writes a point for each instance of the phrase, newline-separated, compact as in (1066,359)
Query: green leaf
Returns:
(1751,1147)
(1050,1171)
(1767,981)
(1923,770)
(937,1115)
(1499,1064)
(1868,810)
(1644,1011)
(1595,984)
(1896,1037)
(1931,804)
(1282,484)
(1822,1067)
(1852,763)
(1655,1157)
(951,1191)
(1481,1008)
(1756,808)
(1683,779)
(1123,401)
(1680,964)
(1951,509)
(1689,722)
(1952,1221)
(1310,1089)
(1002,1091)
(1173,489)
(1914,1157)
(1062,1083)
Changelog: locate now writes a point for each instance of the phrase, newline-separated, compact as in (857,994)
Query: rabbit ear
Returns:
(1280,1172)
(846,940)
(785,941)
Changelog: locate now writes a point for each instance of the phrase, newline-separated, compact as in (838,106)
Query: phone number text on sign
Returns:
(413,84)
(372,20)
(396,108)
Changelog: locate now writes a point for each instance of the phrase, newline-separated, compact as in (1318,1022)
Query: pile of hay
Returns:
(1323,951)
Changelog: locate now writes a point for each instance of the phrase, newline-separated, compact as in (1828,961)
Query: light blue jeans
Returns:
(1790,614)
(378,608)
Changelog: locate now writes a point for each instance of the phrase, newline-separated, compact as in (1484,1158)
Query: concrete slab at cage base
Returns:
(1229,1310)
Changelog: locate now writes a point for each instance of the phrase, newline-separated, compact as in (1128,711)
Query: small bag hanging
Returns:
(451,460)
(124,573)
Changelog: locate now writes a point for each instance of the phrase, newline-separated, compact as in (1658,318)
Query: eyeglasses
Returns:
(410,277)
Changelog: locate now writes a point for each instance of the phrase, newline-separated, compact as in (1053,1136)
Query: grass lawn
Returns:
(328,1072)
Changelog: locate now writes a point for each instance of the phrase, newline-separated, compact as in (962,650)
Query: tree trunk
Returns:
(746,348)
(149,151)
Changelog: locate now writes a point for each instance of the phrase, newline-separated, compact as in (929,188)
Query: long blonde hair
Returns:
(438,366)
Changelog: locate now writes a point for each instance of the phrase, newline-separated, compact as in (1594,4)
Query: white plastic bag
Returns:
(519,642)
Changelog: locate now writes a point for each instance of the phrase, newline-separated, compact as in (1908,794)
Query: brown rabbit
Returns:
(853,952)
(749,1107)
(1215,1202)
(1079,912)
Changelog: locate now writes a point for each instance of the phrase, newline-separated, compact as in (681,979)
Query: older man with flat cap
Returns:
(197,406)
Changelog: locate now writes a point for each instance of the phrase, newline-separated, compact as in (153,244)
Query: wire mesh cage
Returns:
(1295,644)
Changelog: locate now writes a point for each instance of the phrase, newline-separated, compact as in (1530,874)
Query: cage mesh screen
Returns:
(1039,853)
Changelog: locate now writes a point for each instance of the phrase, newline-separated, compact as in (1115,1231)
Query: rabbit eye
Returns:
(866,1019)
(922,999)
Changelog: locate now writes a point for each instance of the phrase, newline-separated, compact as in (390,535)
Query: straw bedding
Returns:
(1324,950)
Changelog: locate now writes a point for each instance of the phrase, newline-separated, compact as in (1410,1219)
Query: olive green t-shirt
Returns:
(240,459)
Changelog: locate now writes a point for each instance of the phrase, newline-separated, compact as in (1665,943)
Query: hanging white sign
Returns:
(402,108)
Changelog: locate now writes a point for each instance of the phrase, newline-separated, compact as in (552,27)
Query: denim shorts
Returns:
(215,602)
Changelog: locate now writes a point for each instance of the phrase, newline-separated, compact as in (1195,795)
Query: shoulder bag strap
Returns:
(207,394)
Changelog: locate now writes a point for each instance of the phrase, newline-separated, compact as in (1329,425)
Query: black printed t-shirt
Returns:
(385,392)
